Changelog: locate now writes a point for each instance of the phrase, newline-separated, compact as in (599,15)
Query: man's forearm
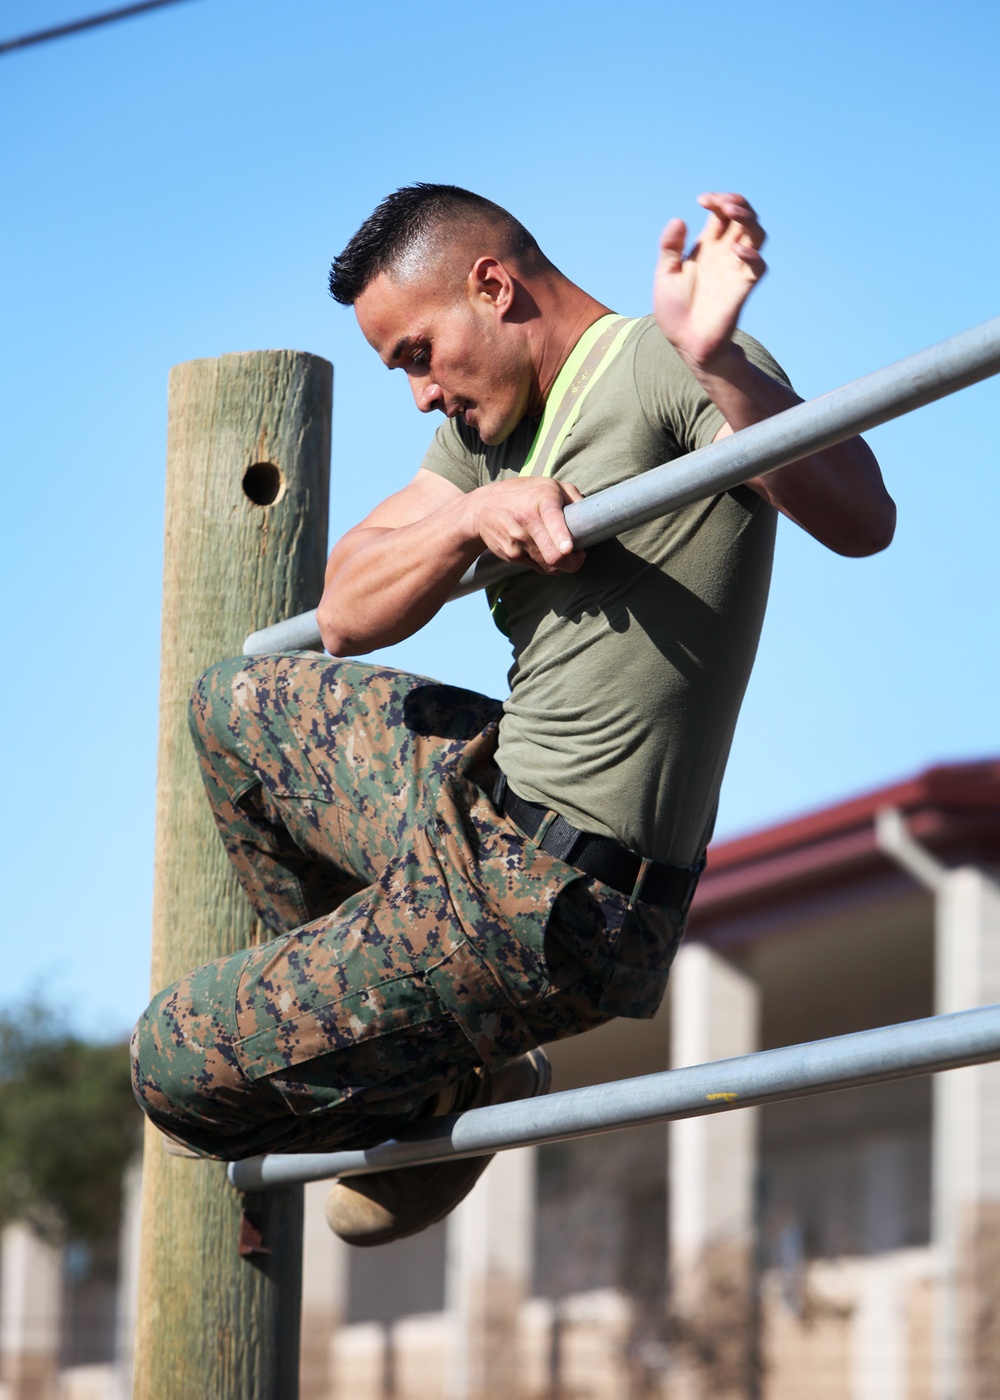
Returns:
(836,495)
(389,575)
(384,584)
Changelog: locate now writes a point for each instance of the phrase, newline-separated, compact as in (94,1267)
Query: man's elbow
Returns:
(869,534)
(341,639)
(337,641)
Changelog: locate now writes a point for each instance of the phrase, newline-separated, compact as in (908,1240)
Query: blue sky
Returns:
(175,186)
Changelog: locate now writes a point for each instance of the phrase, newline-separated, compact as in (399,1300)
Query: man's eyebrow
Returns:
(399,349)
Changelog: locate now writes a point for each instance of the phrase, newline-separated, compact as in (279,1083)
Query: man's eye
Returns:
(421,357)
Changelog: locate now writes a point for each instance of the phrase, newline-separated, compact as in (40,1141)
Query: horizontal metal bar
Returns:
(769,1076)
(298,633)
(899,388)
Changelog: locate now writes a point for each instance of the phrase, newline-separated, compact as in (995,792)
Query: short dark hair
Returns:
(409,215)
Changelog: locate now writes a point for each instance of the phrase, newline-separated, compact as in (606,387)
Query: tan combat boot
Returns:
(386,1206)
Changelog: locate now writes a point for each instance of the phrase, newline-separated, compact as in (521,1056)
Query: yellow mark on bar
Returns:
(728,1096)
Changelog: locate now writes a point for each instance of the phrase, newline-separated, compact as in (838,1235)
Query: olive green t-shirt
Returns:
(628,675)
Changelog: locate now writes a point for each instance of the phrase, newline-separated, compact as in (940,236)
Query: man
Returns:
(454,882)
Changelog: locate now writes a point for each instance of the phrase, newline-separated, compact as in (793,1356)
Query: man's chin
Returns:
(493,434)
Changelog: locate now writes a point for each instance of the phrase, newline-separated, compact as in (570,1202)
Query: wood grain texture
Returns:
(213,1325)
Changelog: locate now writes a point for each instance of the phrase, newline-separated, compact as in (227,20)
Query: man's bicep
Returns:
(425,494)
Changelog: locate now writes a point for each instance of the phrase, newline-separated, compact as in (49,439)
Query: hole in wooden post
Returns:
(263,483)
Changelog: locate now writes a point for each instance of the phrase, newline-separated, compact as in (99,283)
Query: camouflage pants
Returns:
(419,933)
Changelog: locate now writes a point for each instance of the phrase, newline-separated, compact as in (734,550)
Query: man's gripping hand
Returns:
(521,521)
(697,299)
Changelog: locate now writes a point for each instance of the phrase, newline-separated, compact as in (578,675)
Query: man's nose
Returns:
(427,395)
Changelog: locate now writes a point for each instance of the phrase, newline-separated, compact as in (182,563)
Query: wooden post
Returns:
(248,454)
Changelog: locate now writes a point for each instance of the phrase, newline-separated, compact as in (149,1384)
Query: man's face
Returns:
(458,352)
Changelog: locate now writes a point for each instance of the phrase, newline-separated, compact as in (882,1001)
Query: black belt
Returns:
(669,886)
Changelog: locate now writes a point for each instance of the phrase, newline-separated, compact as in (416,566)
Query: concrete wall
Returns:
(714,1016)
(30,1314)
(967,1148)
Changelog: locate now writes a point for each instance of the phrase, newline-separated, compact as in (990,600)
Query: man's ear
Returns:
(490,286)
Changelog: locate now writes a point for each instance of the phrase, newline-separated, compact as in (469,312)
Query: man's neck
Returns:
(566,311)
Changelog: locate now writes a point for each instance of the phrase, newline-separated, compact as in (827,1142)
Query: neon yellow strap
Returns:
(589,358)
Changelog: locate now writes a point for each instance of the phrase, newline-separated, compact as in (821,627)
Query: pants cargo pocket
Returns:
(646,948)
(347,1011)
(473,994)
(360,1047)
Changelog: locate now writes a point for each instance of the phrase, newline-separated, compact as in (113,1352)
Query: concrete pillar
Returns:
(879,1335)
(129,1234)
(324,1296)
(712,1163)
(966,1207)
(30,1314)
(490,1248)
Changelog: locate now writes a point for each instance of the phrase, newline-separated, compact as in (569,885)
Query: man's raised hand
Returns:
(697,299)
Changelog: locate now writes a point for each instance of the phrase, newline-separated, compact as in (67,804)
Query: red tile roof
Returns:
(954,809)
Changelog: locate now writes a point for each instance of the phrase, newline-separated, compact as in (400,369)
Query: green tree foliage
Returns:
(68,1126)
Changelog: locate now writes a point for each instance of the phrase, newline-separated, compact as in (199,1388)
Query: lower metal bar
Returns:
(769,1076)
(920,379)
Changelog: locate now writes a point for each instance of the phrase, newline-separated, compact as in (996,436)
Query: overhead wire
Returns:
(59,31)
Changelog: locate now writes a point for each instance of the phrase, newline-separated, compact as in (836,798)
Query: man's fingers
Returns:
(726,205)
(733,215)
(570,563)
(720,215)
(553,545)
(524,522)
(554,521)
(751,257)
(672,241)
